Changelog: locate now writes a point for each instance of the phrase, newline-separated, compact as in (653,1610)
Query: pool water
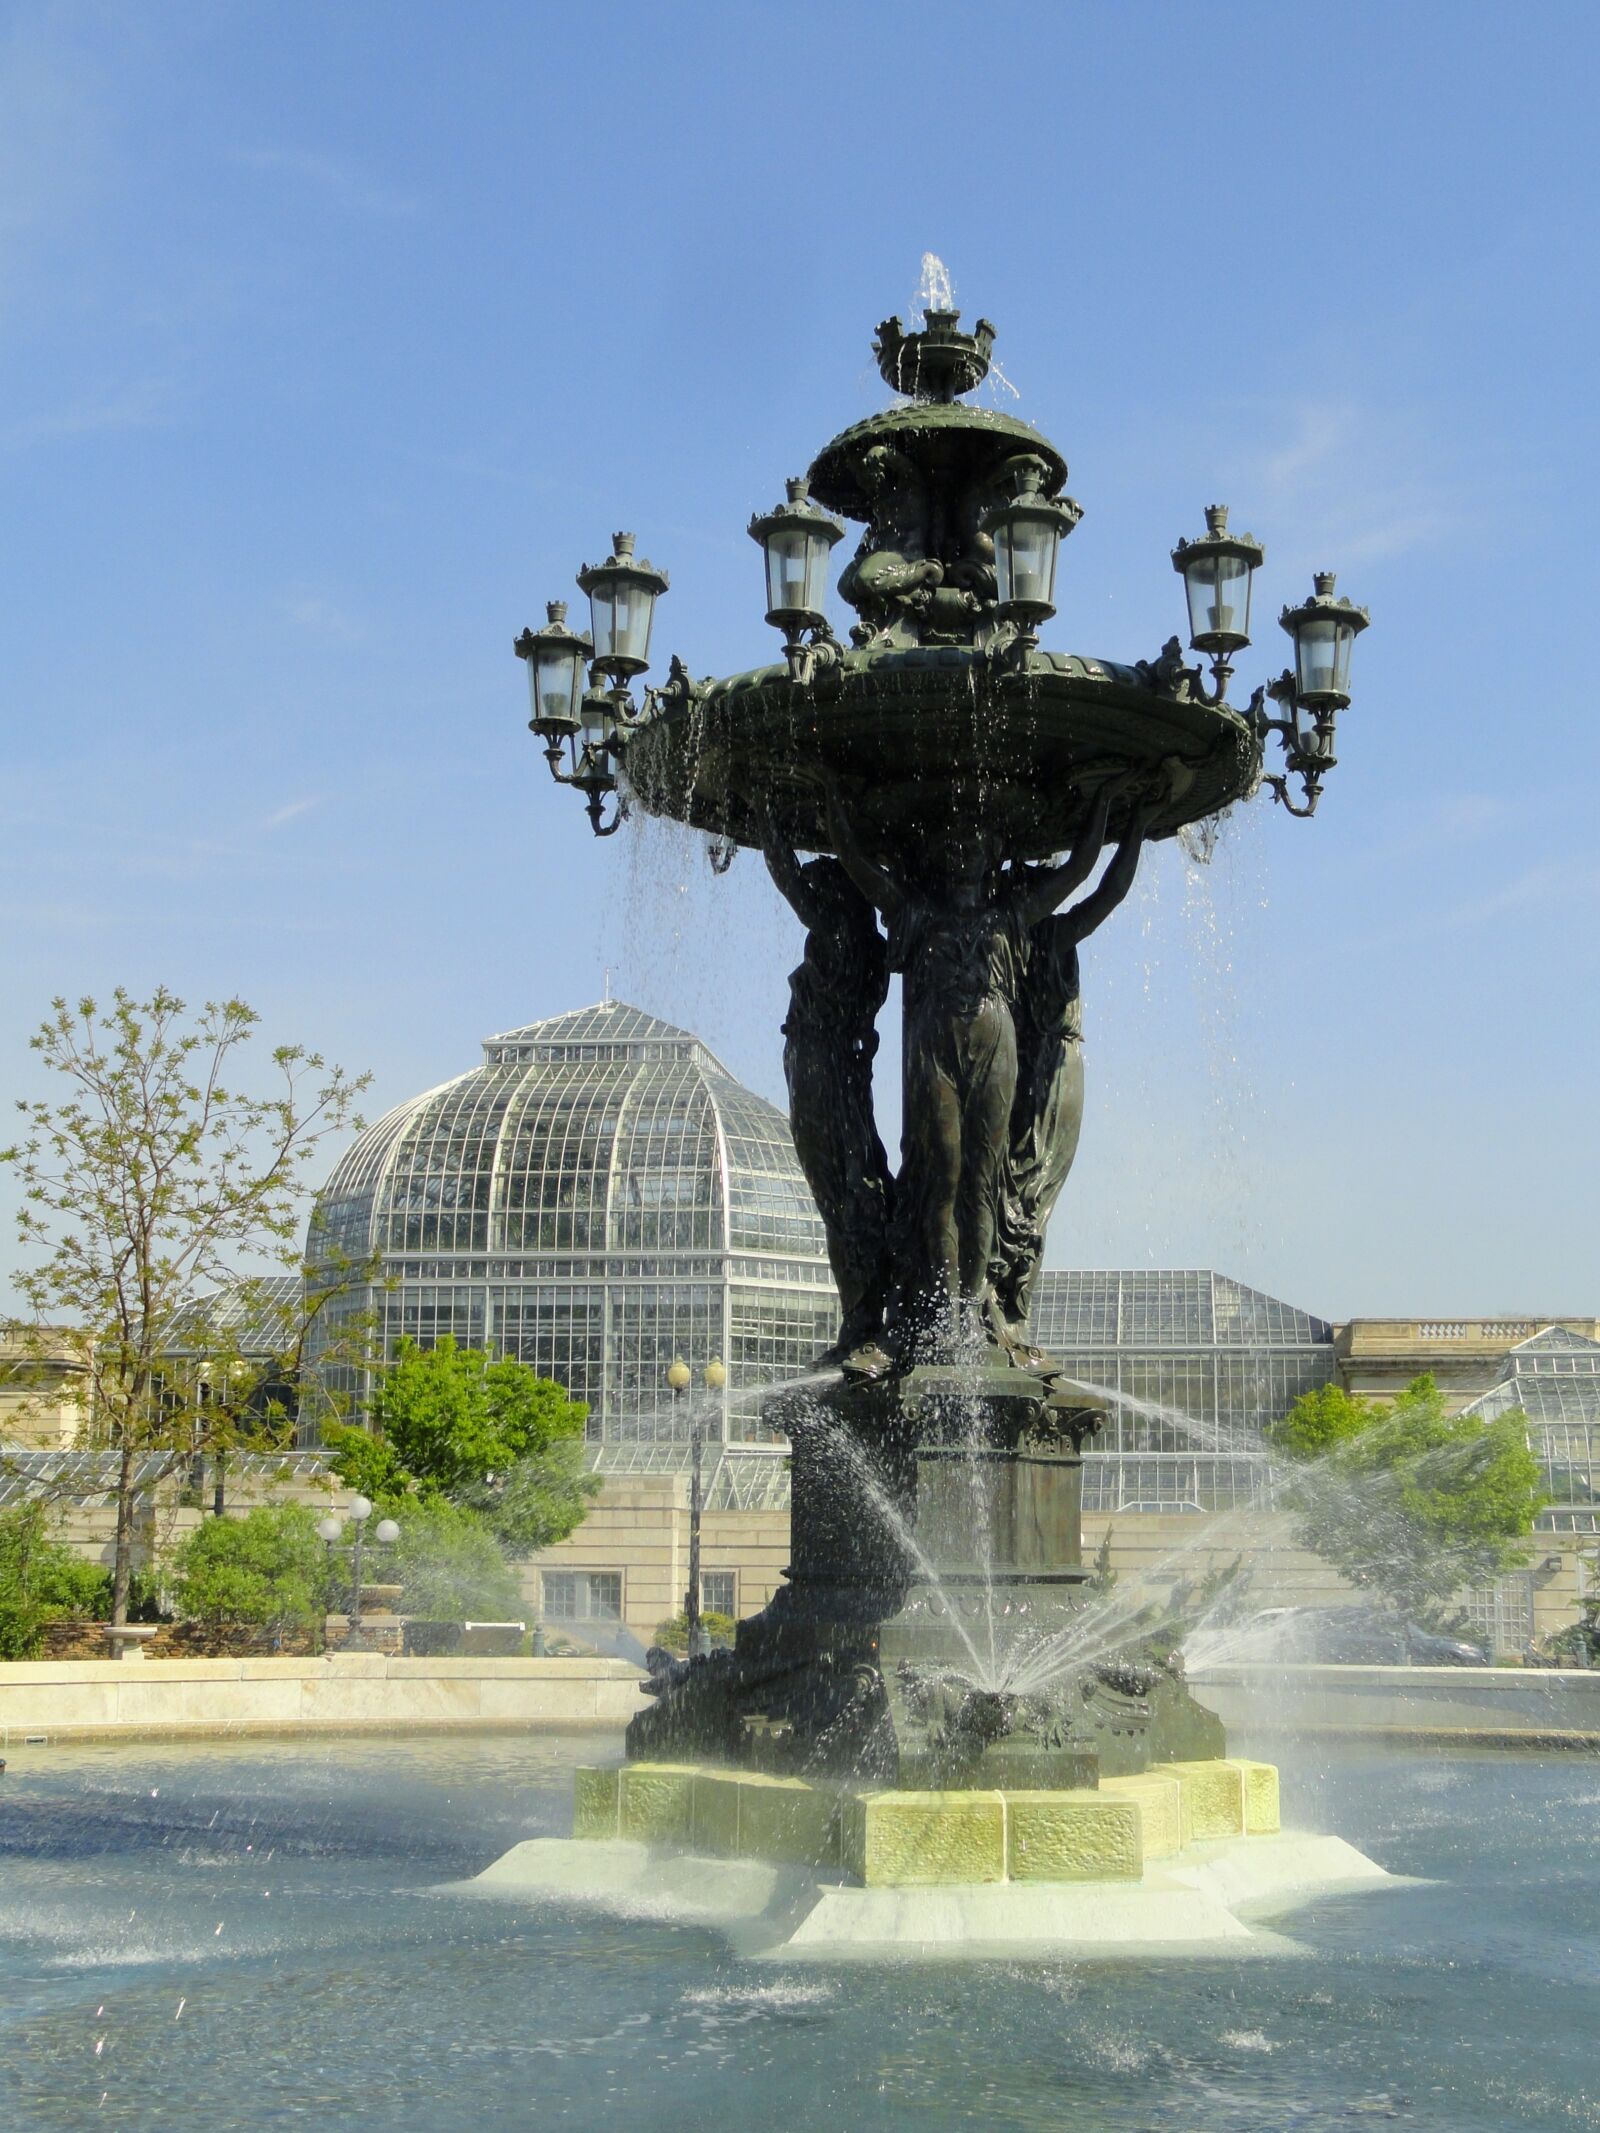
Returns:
(237,1935)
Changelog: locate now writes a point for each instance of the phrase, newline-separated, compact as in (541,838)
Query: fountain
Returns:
(976,807)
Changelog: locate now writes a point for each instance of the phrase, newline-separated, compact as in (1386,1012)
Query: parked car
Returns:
(1348,1636)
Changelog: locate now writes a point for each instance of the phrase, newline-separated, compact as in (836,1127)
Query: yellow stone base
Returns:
(893,1839)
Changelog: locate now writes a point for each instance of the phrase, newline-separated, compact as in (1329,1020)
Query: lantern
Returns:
(1217,571)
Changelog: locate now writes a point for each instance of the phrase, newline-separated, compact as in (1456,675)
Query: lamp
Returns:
(558,662)
(1324,630)
(1027,533)
(678,1374)
(795,539)
(622,604)
(1218,571)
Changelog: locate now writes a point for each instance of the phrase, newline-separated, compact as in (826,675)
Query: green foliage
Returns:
(268,1567)
(42,1580)
(1102,1577)
(1407,1502)
(483,1431)
(673,1634)
(453,1415)
(1320,1421)
(448,1563)
(143,1185)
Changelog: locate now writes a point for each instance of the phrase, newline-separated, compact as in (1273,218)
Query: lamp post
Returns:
(680,1378)
(331,1530)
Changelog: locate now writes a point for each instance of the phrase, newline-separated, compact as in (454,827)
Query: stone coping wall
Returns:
(1526,1706)
(344,1692)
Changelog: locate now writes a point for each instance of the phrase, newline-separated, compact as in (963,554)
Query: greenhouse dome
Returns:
(597,1198)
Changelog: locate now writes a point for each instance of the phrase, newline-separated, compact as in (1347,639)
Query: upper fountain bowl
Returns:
(940,362)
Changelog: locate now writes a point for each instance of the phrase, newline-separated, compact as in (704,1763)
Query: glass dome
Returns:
(598,1196)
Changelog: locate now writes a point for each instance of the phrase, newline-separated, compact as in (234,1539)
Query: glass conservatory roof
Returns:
(598,1131)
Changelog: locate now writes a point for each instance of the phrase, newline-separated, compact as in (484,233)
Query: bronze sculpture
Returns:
(949,774)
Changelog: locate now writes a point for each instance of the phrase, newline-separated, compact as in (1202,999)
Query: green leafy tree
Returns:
(268,1568)
(150,1184)
(42,1580)
(1410,1503)
(484,1431)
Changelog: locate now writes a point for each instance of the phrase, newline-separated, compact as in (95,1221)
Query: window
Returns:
(717,1593)
(582,1595)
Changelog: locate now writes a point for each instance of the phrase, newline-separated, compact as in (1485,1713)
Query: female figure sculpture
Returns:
(829,1039)
(964,934)
(1047,1114)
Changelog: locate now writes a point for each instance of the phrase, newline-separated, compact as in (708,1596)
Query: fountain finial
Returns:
(940,362)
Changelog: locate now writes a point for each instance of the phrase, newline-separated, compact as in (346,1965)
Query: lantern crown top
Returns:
(622,562)
(799,511)
(1323,601)
(938,363)
(1218,541)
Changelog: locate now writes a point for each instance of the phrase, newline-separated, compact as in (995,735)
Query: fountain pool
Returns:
(248,1934)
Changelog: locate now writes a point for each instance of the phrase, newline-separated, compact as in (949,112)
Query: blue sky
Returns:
(333,340)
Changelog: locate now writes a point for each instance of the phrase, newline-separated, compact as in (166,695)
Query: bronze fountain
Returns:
(975,807)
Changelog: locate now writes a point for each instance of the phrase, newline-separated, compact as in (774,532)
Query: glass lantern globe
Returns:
(679,1374)
(360,1509)
(1324,630)
(622,604)
(386,1531)
(796,539)
(558,664)
(1027,533)
(330,1528)
(1218,571)
(715,1374)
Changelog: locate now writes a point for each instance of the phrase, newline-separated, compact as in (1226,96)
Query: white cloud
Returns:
(291,810)
(344,184)
(314,612)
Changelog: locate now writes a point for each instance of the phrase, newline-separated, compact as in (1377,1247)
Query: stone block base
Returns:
(907,1839)
(1158,1795)
(924,1839)
(1073,1836)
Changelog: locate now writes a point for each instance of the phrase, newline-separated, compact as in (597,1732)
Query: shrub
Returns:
(268,1567)
(673,1634)
(41,1581)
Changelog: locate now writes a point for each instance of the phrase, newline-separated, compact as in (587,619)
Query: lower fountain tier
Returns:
(924,735)
(937,1626)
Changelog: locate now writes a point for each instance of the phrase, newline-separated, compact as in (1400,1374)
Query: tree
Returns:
(1407,1502)
(149,1185)
(269,1567)
(42,1580)
(484,1431)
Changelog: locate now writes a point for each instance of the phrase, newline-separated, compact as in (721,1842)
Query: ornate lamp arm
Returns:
(1307,748)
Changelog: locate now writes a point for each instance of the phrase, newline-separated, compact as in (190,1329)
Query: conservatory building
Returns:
(598,1198)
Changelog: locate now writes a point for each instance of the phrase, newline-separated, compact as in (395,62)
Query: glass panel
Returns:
(557,679)
(595,717)
(1314,657)
(716,1592)
(602,615)
(1219,597)
(634,609)
(1341,664)
(1025,559)
(793,579)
